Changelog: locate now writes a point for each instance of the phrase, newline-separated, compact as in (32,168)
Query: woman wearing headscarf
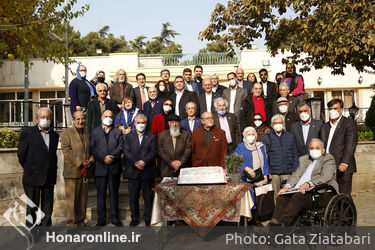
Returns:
(260,126)
(162,88)
(294,81)
(81,91)
(100,78)
(125,118)
(160,122)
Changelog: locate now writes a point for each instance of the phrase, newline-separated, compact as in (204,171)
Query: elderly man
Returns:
(175,155)
(96,107)
(153,106)
(293,101)
(75,145)
(37,155)
(216,87)
(206,99)
(209,144)
(243,84)
(106,146)
(305,129)
(282,152)
(191,122)
(140,92)
(314,169)
(181,96)
(283,109)
(121,88)
(140,153)
(227,122)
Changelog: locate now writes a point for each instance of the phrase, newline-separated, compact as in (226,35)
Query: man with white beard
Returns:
(121,89)
(174,148)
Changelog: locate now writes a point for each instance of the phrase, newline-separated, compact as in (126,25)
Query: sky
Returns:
(145,17)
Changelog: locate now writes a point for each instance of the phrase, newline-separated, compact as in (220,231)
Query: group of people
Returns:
(145,131)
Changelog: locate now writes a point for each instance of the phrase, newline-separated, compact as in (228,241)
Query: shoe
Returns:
(118,224)
(274,222)
(100,224)
(134,223)
(147,222)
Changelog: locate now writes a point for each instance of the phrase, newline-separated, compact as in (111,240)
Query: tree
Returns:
(165,34)
(103,32)
(318,33)
(216,46)
(370,115)
(138,44)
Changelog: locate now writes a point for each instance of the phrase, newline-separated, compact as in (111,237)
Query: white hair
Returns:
(100,85)
(140,117)
(252,129)
(44,108)
(318,140)
(220,99)
(277,117)
(284,84)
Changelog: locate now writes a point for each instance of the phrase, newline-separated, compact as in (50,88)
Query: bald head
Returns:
(240,74)
(152,93)
(207,85)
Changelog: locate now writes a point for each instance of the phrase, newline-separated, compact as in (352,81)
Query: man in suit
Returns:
(96,107)
(198,71)
(242,83)
(121,89)
(181,96)
(153,106)
(340,136)
(140,92)
(208,143)
(174,148)
(314,169)
(206,98)
(227,122)
(106,146)
(75,145)
(253,104)
(190,85)
(293,101)
(165,75)
(37,155)
(191,122)
(140,151)
(283,109)
(234,95)
(269,88)
(216,87)
(305,129)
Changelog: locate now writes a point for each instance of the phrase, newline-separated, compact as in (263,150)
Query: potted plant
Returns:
(232,163)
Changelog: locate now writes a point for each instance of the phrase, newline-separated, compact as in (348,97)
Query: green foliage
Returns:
(370,115)
(216,46)
(233,161)
(8,138)
(366,135)
(327,33)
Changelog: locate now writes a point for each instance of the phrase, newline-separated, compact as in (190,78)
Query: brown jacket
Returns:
(74,152)
(168,154)
(214,156)
(118,93)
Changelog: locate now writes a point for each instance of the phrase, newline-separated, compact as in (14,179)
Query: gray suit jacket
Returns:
(314,132)
(241,94)
(324,171)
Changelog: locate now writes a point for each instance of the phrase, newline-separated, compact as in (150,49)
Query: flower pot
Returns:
(235,177)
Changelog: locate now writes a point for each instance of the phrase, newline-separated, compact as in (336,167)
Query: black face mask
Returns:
(101,79)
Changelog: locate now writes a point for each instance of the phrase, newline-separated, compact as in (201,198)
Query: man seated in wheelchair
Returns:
(314,169)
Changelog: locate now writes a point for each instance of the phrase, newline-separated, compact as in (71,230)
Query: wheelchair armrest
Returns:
(317,188)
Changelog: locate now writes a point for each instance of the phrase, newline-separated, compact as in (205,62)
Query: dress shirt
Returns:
(178,98)
(45,136)
(331,133)
(208,101)
(224,125)
(189,86)
(214,89)
(264,84)
(232,100)
(140,137)
(307,175)
(191,124)
(305,130)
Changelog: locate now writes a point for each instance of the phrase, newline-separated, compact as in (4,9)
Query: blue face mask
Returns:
(140,127)
(222,112)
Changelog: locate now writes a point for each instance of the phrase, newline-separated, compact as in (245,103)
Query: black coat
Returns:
(138,97)
(94,116)
(247,112)
(186,97)
(271,91)
(202,102)
(314,132)
(151,112)
(290,118)
(220,89)
(38,162)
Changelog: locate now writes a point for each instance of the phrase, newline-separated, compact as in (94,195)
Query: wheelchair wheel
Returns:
(340,211)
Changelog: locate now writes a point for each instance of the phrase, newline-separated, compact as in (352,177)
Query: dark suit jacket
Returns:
(214,156)
(194,85)
(202,102)
(314,132)
(248,86)
(133,152)
(233,127)
(344,142)
(151,112)
(94,115)
(100,149)
(293,103)
(220,89)
(138,99)
(185,124)
(199,85)
(38,162)
(271,91)
(117,92)
(248,111)
(168,154)
(290,118)
(186,97)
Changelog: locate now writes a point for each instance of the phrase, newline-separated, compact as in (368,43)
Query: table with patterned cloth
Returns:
(201,206)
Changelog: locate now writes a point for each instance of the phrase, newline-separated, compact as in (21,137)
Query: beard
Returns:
(174,132)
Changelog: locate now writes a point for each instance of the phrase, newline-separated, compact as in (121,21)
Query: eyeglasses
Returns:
(257,119)
(102,90)
(167,104)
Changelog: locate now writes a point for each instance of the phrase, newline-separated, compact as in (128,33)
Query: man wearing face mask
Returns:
(106,145)
(227,122)
(140,151)
(283,109)
(293,101)
(340,135)
(153,106)
(234,95)
(121,89)
(282,152)
(305,129)
(314,169)
(37,155)
(165,75)
(191,122)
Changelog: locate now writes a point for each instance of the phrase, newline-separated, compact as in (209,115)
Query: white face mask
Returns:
(333,114)
(107,121)
(121,80)
(278,127)
(44,123)
(304,116)
(258,123)
(82,74)
(250,139)
(140,127)
(283,109)
(167,108)
(161,88)
(315,153)
(232,83)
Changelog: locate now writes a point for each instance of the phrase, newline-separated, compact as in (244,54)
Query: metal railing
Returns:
(191,59)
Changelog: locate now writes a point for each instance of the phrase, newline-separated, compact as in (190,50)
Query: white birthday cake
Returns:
(202,175)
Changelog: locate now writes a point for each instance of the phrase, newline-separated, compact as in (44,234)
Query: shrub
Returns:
(366,135)
(8,138)
(370,115)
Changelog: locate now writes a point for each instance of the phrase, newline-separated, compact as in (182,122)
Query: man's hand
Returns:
(108,159)
(86,164)
(342,167)
(283,190)
(122,106)
(176,165)
(265,180)
(250,171)
(140,165)
(304,187)
(78,108)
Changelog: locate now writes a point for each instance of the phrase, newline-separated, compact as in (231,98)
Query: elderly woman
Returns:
(125,118)
(254,155)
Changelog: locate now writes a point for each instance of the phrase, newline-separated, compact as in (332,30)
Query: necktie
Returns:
(143,96)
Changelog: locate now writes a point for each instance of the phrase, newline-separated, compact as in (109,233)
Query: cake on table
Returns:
(202,175)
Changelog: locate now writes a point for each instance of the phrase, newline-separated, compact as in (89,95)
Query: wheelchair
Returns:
(329,209)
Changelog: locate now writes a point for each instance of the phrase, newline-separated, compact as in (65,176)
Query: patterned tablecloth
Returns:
(201,206)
